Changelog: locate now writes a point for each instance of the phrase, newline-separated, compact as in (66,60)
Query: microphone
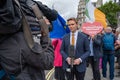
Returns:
(72,54)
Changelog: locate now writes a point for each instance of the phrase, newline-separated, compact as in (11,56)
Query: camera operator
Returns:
(16,58)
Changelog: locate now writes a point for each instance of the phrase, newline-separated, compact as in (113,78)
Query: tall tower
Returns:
(81,12)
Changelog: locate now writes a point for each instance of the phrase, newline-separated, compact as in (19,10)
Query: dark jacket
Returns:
(82,50)
(97,46)
(17,59)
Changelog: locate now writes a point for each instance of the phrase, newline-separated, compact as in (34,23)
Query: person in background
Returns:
(96,54)
(117,50)
(74,44)
(59,72)
(109,40)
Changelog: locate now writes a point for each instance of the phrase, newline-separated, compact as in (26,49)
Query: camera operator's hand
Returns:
(49,24)
(47,21)
(44,28)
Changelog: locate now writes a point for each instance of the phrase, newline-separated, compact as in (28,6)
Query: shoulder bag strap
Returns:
(27,31)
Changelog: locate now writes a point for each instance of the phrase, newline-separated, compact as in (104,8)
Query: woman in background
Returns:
(59,73)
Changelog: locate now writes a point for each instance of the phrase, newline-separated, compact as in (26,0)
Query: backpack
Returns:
(10,17)
(108,42)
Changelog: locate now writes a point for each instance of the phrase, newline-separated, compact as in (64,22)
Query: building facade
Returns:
(81,10)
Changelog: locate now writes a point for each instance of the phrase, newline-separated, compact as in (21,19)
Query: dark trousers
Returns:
(117,54)
(59,73)
(74,72)
(108,57)
(95,67)
(118,60)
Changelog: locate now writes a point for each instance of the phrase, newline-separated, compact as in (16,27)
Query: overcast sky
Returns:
(66,8)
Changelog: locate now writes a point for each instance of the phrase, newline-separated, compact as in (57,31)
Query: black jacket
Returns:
(16,58)
(97,46)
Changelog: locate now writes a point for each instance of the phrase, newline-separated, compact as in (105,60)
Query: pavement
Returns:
(88,75)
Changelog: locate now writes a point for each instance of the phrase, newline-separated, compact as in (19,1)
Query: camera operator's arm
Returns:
(48,57)
(43,60)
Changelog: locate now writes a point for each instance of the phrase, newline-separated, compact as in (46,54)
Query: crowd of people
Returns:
(97,50)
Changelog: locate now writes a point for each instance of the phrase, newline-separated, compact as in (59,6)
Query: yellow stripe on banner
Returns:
(100,17)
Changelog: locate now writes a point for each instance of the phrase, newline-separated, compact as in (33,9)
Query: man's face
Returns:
(72,25)
(108,31)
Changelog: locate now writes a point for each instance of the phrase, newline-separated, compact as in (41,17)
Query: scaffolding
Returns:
(81,10)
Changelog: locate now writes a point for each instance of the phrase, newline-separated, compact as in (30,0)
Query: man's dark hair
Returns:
(72,18)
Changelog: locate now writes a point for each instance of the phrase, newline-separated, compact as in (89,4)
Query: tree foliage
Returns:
(110,9)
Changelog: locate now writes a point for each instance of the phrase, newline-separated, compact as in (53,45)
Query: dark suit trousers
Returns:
(95,68)
(74,72)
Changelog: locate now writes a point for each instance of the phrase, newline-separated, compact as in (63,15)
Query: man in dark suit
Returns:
(81,51)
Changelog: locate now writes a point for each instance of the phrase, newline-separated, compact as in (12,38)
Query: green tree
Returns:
(110,9)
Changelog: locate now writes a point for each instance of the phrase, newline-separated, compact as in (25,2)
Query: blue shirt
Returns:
(91,47)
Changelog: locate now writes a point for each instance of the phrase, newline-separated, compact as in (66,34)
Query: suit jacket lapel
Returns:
(68,39)
(78,39)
